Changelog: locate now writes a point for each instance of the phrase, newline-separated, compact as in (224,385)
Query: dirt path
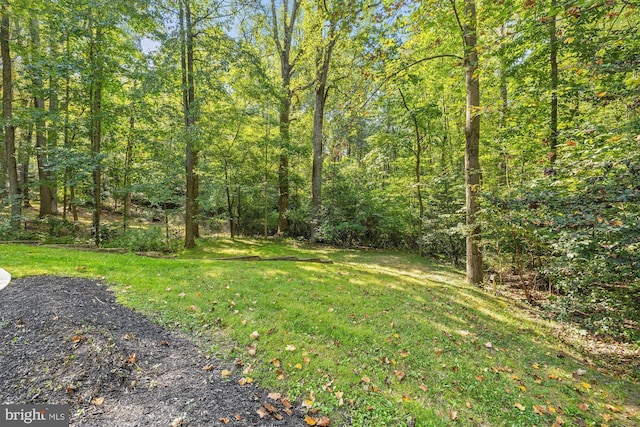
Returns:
(66,340)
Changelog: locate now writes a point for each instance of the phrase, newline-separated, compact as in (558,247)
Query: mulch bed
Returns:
(66,340)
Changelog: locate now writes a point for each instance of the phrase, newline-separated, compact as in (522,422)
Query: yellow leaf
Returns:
(522,388)
(406,398)
(307,403)
(298,366)
(570,40)
(585,385)
(226,373)
(601,94)
(310,420)
(519,406)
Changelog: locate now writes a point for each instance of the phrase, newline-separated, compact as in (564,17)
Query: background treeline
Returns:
(342,121)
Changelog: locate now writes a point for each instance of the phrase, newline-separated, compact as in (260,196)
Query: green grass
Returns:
(396,337)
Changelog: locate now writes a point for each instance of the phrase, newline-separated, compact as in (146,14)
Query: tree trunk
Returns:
(188,97)
(9,127)
(52,136)
(41,138)
(472,148)
(553,59)
(24,158)
(286,94)
(321,94)
(126,209)
(95,128)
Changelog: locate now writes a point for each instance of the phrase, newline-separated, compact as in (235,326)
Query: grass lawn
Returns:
(374,339)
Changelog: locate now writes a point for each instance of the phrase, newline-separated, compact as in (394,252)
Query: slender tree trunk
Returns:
(286,94)
(24,157)
(7,113)
(321,94)
(52,136)
(95,129)
(472,149)
(41,138)
(191,161)
(418,167)
(126,209)
(553,59)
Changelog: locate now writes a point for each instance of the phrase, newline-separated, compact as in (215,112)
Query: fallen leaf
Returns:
(275,362)
(97,400)
(286,402)
(262,413)
(559,420)
(254,335)
(224,420)
(585,385)
(612,408)
(541,409)
(298,366)
(519,406)
(310,420)
(323,422)
(252,350)
(404,353)
(177,422)
(164,343)
(278,416)
(269,407)
(132,358)
(247,380)
(453,415)
(488,345)
(76,338)
(306,360)
(423,387)
(307,403)
(522,388)
(274,396)
(606,417)
(226,373)
(406,398)
(365,380)
(182,294)
(583,406)
(208,368)
(399,375)
(247,370)
(468,405)
(237,417)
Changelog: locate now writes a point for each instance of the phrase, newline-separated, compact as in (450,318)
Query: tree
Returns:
(283,36)
(7,115)
(468,26)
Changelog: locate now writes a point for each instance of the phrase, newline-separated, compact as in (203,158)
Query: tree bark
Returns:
(191,154)
(286,94)
(126,209)
(9,127)
(41,138)
(321,93)
(472,146)
(95,127)
(553,60)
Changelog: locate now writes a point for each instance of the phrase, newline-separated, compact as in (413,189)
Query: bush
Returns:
(151,239)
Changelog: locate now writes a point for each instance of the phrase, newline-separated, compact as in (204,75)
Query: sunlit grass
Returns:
(377,338)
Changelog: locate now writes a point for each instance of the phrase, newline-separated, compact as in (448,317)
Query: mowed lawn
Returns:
(374,339)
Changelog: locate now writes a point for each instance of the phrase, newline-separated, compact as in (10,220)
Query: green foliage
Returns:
(150,239)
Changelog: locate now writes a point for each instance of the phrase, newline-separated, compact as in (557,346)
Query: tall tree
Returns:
(468,26)
(7,113)
(283,32)
(95,124)
(44,181)
(326,27)
(189,109)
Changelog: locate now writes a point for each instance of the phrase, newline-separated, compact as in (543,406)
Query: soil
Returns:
(67,340)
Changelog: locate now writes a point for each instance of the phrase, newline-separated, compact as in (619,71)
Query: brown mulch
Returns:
(66,340)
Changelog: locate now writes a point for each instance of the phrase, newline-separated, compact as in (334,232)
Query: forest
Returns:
(502,136)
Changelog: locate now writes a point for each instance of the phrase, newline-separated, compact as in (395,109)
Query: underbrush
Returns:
(152,239)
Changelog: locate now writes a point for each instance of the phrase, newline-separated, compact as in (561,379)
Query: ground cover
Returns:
(376,338)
